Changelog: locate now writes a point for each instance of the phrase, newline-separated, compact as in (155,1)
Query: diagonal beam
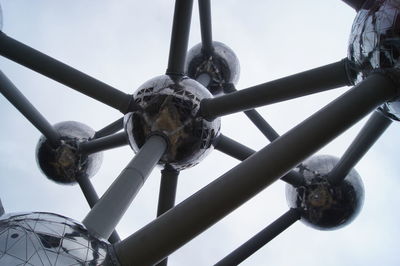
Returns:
(320,79)
(16,98)
(112,128)
(1,208)
(194,215)
(261,239)
(105,215)
(369,134)
(166,198)
(356,4)
(58,71)
(91,197)
(242,152)
(205,26)
(179,37)
(104,143)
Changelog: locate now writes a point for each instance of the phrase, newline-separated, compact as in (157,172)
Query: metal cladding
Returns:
(65,164)
(222,65)
(170,107)
(324,206)
(375,42)
(40,238)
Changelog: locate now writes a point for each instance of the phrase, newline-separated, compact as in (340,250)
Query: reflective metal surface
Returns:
(222,65)
(170,108)
(324,206)
(64,164)
(48,239)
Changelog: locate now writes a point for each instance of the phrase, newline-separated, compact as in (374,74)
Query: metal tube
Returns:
(1,208)
(108,211)
(242,152)
(166,198)
(16,98)
(260,239)
(312,81)
(262,125)
(179,37)
(369,134)
(356,4)
(186,220)
(112,128)
(51,68)
(91,197)
(205,26)
(104,143)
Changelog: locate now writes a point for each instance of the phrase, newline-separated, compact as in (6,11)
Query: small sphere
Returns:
(170,107)
(325,206)
(64,164)
(40,238)
(222,66)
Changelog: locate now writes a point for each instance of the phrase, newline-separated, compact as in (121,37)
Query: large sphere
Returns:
(40,238)
(325,206)
(222,66)
(64,164)
(171,107)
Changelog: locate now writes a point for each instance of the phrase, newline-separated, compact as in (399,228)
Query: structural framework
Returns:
(174,121)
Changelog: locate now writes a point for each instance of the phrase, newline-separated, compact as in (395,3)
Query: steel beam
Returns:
(194,215)
(1,208)
(205,26)
(179,37)
(260,239)
(16,98)
(369,134)
(242,152)
(104,143)
(58,71)
(108,211)
(356,4)
(320,79)
(112,128)
(166,198)
(91,197)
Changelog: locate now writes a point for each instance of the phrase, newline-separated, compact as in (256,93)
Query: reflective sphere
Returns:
(325,206)
(222,66)
(65,164)
(375,42)
(170,107)
(48,239)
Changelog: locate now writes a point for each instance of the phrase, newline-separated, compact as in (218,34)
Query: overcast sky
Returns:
(126,43)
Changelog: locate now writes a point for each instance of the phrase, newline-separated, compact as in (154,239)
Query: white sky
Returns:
(126,43)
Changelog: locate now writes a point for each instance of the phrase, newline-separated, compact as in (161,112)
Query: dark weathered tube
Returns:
(324,78)
(16,98)
(51,68)
(179,37)
(91,197)
(356,4)
(105,215)
(194,215)
(166,198)
(205,26)
(104,143)
(112,128)
(260,239)
(242,152)
(369,134)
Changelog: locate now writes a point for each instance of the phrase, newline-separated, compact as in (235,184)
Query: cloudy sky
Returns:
(126,43)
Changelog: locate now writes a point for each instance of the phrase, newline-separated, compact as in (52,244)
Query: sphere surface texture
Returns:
(325,206)
(64,164)
(170,107)
(221,65)
(48,239)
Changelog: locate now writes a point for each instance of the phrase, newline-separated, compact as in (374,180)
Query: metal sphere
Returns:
(221,65)
(374,42)
(64,164)
(325,206)
(170,107)
(40,238)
